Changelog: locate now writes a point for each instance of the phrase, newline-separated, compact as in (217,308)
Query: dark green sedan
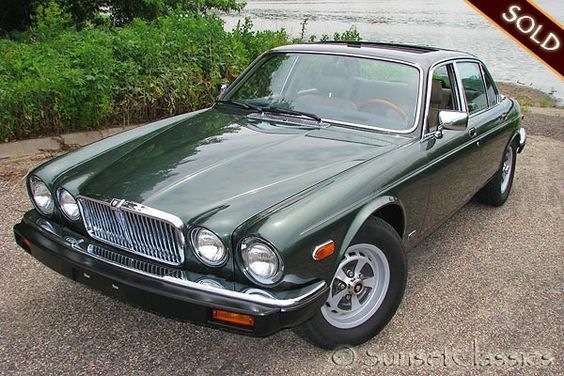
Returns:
(291,201)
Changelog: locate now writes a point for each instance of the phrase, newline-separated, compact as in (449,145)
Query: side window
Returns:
(474,90)
(443,94)
(491,90)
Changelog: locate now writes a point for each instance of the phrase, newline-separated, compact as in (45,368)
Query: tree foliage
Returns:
(19,14)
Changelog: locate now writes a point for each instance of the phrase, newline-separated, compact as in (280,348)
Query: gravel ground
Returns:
(484,294)
(547,122)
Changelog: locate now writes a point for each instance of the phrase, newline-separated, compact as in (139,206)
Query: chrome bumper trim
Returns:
(522,139)
(83,245)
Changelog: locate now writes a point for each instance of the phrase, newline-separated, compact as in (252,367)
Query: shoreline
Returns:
(535,103)
(528,96)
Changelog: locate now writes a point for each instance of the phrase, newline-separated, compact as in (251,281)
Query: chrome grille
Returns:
(132,263)
(135,228)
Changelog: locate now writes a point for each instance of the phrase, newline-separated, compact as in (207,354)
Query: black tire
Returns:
(321,333)
(491,193)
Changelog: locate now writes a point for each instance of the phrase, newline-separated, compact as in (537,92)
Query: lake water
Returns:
(442,23)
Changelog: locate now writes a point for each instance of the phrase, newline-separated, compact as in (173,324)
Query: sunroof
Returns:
(390,46)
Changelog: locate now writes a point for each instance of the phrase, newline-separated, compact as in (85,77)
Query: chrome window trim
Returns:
(459,88)
(356,125)
(475,61)
(142,210)
(482,111)
(496,90)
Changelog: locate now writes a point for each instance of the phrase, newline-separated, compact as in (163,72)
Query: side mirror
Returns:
(453,120)
(222,90)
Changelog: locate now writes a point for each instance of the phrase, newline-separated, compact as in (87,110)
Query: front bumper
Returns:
(169,291)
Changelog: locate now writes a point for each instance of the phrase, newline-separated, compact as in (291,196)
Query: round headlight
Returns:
(208,248)
(41,195)
(68,204)
(261,261)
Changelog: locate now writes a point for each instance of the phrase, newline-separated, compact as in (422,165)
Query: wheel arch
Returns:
(388,208)
(515,137)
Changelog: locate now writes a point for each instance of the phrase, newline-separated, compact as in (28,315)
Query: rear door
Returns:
(493,132)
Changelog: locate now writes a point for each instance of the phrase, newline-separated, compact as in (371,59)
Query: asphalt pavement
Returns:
(484,294)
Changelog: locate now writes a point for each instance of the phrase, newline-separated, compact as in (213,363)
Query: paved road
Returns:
(489,282)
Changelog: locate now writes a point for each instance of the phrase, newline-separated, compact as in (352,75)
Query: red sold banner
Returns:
(528,25)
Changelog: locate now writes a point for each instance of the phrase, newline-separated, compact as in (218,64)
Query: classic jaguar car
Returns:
(291,201)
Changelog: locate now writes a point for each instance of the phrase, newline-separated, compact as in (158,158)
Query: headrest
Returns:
(436,91)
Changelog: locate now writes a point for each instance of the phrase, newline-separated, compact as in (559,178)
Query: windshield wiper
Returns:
(246,106)
(271,109)
(278,110)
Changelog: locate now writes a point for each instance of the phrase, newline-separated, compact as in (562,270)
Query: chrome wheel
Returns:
(358,287)
(506,169)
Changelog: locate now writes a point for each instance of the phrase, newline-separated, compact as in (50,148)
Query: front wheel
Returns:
(365,290)
(497,190)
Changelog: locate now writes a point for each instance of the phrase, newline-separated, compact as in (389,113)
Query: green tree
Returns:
(19,14)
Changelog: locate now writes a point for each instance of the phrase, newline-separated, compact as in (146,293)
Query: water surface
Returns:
(442,23)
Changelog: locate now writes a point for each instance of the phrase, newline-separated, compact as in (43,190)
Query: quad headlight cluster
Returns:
(261,262)
(45,203)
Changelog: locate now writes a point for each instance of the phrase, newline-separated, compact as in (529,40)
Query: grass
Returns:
(528,96)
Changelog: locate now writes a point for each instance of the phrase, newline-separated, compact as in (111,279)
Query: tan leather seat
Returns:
(436,103)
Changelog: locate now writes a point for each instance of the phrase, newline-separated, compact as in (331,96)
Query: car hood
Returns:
(219,169)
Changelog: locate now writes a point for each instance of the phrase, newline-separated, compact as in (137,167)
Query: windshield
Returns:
(341,89)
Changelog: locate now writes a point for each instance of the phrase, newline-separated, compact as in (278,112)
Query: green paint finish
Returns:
(293,184)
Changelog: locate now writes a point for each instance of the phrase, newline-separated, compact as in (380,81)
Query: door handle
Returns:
(472,132)
(504,116)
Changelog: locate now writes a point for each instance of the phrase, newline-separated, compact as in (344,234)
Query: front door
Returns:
(455,158)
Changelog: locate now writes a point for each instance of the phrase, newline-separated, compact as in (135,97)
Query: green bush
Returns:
(55,79)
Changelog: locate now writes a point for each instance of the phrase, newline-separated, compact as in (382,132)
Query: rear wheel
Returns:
(497,190)
(365,290)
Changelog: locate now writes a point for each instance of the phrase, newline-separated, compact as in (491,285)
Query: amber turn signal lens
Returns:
(26,243)
(324,250)
(233,318)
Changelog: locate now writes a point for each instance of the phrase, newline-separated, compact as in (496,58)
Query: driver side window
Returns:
(442,94)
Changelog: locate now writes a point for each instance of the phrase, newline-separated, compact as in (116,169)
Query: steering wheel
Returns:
(382,102)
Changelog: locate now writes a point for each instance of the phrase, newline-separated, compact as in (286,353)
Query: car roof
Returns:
(422,55)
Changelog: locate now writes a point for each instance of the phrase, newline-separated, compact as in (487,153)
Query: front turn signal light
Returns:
(233,318)
(323,250)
